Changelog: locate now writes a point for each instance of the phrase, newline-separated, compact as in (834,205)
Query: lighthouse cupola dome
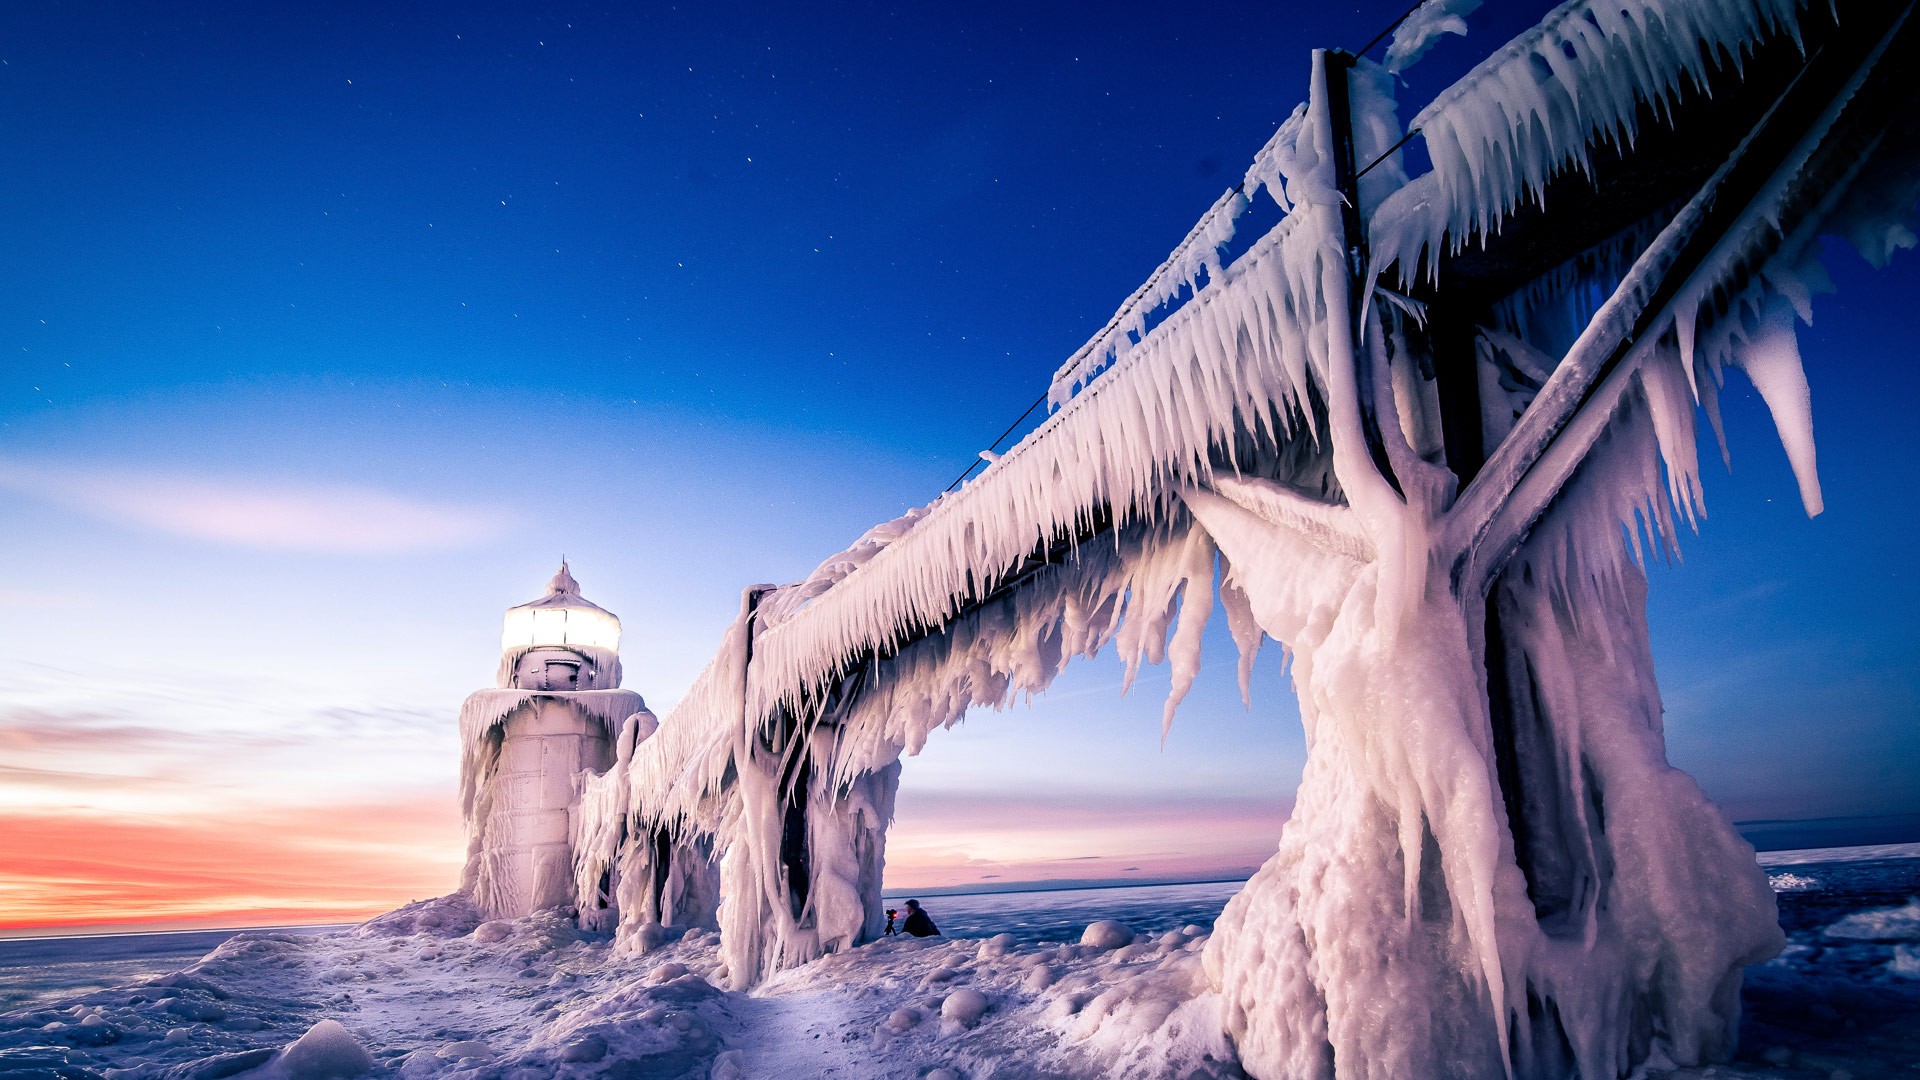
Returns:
(561,641)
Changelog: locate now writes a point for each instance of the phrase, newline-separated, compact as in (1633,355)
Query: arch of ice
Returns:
(1417,433)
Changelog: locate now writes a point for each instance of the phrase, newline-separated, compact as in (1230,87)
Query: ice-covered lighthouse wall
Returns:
(1492,870)
(557,714)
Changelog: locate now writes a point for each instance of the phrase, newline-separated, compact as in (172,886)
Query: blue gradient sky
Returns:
(327,331)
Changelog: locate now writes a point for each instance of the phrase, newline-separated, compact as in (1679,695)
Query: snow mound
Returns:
(1107,934)
(488,933)
(447,916)
(328,1051)
(964,1006)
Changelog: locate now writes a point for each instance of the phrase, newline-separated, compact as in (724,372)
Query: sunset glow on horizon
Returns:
(116,826)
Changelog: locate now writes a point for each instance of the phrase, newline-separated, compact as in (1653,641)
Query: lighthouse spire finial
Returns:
(563,583)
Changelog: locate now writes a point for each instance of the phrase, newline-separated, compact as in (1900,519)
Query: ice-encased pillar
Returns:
(667,879)
(1647,903)
(804,857)
(1491,870)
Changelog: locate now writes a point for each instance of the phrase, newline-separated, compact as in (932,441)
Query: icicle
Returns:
(1497,136)
(1772,362)
(1671,406)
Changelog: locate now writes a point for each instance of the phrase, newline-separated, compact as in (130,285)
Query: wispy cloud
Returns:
(289,516)
(17,597)
(125,745)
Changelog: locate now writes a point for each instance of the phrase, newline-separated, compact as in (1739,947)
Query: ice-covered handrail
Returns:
(1196,254)
(1243,353)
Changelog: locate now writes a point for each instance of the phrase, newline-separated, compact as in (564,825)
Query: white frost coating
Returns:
(486,709)
(1424,28)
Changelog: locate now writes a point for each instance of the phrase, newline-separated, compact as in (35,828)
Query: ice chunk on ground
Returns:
(328,1051)
(964,1006)
(488,933)
(1107,934)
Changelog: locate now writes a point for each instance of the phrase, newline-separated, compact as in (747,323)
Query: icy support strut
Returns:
(801,876)
(672,881)
(1472,884)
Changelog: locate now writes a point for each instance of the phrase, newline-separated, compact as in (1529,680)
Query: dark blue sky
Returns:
(695,294)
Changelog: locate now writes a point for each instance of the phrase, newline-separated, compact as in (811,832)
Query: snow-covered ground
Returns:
(432,990)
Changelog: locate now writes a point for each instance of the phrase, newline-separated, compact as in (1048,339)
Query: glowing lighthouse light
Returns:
(561,618)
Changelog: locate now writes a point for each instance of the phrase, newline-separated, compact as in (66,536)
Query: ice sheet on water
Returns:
(1057,916)
(1880,924)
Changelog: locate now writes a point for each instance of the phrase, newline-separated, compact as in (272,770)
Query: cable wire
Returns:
(1037,402)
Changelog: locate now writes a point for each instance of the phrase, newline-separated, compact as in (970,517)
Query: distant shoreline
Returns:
(178,931)
(1064,885)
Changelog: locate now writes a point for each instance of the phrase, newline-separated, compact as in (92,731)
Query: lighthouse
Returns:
(556,716)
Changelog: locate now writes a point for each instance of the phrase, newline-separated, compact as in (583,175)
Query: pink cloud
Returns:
(280,516)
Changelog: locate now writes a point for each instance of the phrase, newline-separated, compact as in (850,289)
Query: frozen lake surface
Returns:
(47,968)
(34,970)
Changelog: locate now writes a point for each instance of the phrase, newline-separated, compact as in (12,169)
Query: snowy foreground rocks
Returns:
(433,991)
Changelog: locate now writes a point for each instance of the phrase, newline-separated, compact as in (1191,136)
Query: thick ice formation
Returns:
(1423,28)
(1478,880)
